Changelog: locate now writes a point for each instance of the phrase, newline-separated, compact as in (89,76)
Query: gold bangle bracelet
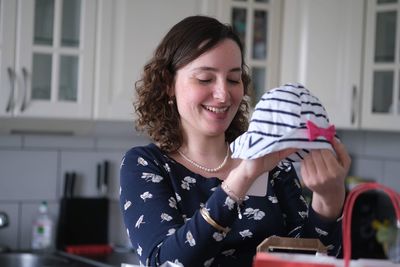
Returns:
(206,216)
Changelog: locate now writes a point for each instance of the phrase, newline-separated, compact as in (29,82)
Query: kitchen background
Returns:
(79,76)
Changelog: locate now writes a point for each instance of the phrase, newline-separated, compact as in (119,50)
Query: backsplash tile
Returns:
(354,141)
(85,165)
(122,144)
(32,169)
(371,169)
(116,230)
(391,174)
(10,141)
(28,175)
(9,235)
(384,145)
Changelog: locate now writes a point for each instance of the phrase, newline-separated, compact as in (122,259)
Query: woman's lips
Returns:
(216,109)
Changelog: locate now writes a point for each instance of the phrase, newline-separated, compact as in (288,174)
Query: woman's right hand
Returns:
(266,163)
(243,176)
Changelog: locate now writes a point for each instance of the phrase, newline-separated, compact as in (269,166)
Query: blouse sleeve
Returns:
(157,229)
(301,220)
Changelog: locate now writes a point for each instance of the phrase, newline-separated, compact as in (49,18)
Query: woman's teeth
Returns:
(217,110)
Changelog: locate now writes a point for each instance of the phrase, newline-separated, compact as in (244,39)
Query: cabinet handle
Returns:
(25,78)
(354,104)
(11,76)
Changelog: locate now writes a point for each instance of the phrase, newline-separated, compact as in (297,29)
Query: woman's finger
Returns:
(331,164)
(286,153)
(308,168)
(341,152)
(321,168)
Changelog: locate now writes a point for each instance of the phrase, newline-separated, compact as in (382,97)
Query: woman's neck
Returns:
(199,148)
(212,154)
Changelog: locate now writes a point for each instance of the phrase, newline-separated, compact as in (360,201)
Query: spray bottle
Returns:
(42,230)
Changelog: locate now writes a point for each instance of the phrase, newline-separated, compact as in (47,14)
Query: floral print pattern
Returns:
(160,201)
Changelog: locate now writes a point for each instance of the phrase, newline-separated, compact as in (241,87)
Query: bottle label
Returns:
(41,234)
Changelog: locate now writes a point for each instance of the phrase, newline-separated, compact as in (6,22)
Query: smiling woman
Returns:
(156,108)
(184,199)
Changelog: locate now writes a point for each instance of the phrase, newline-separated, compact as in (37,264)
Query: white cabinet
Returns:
(8,10)
(129,33)
(322,48)
(257,23)
(47,67)
(80,59)
(131,30)
(381,98)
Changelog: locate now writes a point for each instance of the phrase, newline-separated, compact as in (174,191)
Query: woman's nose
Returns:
(221,92)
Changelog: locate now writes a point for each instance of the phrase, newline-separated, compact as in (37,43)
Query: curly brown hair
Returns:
(185,42)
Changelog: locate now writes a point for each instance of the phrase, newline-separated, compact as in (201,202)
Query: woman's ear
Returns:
(171,91)
(171,95)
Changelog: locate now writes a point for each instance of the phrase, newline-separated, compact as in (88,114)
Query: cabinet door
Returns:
(129,33)
(8,9)
(322,46)
(381,103)
(257,23)
(54,58)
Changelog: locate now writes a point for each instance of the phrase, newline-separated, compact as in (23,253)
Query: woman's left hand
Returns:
(324,174)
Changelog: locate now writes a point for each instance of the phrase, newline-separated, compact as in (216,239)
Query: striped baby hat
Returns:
(285,117)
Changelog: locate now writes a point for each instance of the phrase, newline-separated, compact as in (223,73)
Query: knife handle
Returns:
(72,184)
(66,185)
(98,178)
(106,174)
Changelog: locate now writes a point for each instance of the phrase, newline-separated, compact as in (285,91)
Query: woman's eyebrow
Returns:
(236,69)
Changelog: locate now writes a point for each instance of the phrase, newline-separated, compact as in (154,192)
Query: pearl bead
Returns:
(205,168)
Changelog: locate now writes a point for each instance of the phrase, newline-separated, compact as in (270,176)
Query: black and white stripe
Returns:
(278,122)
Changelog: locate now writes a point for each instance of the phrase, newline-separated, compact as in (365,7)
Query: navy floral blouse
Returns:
(161,199)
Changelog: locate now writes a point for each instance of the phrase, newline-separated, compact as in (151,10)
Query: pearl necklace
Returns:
(205,168)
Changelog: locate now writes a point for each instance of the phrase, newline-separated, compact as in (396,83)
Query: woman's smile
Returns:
(215,109)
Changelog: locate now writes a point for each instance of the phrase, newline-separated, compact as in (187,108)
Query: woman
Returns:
(183,198)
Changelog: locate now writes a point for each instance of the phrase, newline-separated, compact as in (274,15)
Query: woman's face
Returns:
(209,90)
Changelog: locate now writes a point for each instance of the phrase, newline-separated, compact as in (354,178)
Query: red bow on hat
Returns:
(314,131)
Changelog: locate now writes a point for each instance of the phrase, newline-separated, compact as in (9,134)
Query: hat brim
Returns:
(252,145)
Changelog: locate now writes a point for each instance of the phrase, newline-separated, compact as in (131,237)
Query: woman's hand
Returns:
(242,177)
(324,174)
(258,166)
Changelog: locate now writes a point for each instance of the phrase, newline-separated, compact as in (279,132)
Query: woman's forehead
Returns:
(225,55)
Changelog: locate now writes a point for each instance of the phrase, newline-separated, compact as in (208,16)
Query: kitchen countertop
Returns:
(117,258)
(113,259)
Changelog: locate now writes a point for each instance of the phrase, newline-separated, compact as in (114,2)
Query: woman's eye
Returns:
(233,81)
(204,80)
